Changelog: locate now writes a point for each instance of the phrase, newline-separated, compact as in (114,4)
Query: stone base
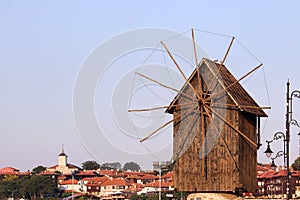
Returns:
(213,196)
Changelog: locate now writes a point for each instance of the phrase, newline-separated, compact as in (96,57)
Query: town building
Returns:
(63,166)
(6,171)
(272,183)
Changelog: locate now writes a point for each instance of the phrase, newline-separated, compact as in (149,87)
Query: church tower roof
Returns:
(62,152)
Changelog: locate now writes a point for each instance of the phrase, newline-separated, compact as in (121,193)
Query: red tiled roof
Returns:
(170,174)
(133,177)
(267,174)
(96,181)
(53,167)
(261,168)
(150,176)
(24,173)
(48,173)
(71,166)
(69,182)
(115,181)
(157,184)
(138,185)
(108,172)
(127,173)
(8,170)
(86,173)
(86,178)
(295,173)
(279,173)
(61,177)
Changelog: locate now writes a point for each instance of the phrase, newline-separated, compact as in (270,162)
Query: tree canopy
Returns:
(133,166)
(90,165)
(38,169)
(296,164)
(30,186)
(112,165)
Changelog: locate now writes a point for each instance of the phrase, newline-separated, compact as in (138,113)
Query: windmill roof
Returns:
(236,92)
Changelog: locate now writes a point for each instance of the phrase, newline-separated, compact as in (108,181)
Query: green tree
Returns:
(90,165)
(296,164)
(30,187)
(9,187)
(113,165)
(36,186)
(133,166)
(38,169)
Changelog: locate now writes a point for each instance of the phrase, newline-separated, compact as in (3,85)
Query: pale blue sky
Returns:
(44,43)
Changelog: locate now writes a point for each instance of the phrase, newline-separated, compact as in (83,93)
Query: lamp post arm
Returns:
(294,122)
(279,135)
(279,153)
(295,93)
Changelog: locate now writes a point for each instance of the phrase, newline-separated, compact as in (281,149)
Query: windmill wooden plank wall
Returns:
(209,153)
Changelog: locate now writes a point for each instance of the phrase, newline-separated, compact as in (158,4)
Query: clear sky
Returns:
(45,43)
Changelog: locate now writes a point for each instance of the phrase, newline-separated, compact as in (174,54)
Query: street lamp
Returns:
(268,151)
(273,165)
(286,137)
(279,153)
(277,136)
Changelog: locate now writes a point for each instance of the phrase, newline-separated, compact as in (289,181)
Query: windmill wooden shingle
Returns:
(215,132)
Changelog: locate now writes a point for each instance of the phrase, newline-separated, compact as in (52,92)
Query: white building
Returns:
(63,166)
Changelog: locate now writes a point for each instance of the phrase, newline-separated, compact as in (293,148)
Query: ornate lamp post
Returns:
(279,153)
(277,136)
(286,137)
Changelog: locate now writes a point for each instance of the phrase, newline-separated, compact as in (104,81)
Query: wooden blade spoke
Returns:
(203,131)
(167,123)
(205,95)
(223,139)
(168,87)
(180,70)
(194,45)
(219,68)
(237,81)
(162,107)
(231,126)
(183,142)
(197,67)
(228,49)
(233,106)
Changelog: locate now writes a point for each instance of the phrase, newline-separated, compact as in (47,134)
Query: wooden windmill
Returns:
(216,130)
